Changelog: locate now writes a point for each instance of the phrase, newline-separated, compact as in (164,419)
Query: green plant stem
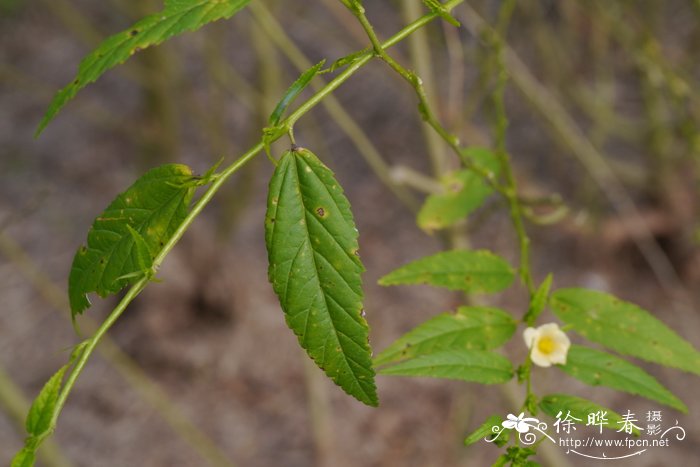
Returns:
(341,117)
(422,63)
(413,79)
(510,190)
(127,368)
(501,125)
(217,181)
(595,163)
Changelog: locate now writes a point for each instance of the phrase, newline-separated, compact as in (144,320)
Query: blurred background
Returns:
(604,110)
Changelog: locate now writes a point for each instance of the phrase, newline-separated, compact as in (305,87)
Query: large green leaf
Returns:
(580,408)
(129,233)
(470,328)
(177,16)
(602,369)
(479,366)
(315,270)
(463,192)
(469,271)
(623,327)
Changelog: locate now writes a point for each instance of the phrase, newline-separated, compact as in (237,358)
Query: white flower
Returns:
(548,344)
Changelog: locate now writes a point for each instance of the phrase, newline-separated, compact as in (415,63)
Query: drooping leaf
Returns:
(602,369)
(316,272)
(470,328)
(24,458)
(479,366)
(153,207)
(294,90)
(464,191)
(539,301)
(484,430)
(624,327)
(39,416)
(469,271)
(580,409)
(177,16)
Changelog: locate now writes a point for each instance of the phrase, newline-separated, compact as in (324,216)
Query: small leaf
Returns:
(539,301)
(624,327)
(436,7)
(177,17)
(24,458)
(316,272)
(469,271)
(484,430)
(601,369)
(479,366)
(464,191)
(580,408)
(143,256)
(470,328)
(348,59)
(41,412)
(294,90)
(125,237)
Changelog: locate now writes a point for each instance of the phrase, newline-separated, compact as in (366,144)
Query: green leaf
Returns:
(41,412)
(479,366)
(177,16)
(127,235)
(436,7)
(470,328)
(623,327)
(294,90)
(142,252)
(316,272)
(484,430)
(601,369)
(348,59)
(580,408)
(24,458)
(539,301)
(464,191)
(469,271)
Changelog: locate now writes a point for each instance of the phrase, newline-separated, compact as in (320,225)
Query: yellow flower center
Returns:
(546,345)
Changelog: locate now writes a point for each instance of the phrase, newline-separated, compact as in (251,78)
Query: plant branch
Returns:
(217,181)
(564,126)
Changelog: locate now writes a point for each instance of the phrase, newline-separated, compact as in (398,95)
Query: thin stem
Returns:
(87,351)
(54,296)
(501,126)
(420,56)
(510,190)
(595,163)
(340,116)
(16,406)
(217,181)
